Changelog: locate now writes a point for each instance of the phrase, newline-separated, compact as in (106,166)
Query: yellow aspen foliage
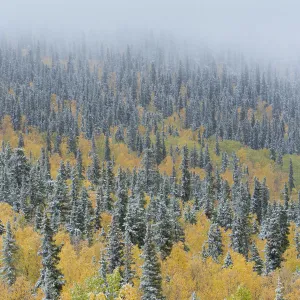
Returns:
(228,176)
(6,213)
(54,104)
(100,296)
(21,290)
(129,292)
(29,262)
(136,267)
(7,132)
(166,166)
(105,221)
(123,158)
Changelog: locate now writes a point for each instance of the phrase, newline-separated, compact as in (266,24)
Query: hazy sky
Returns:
(257,24)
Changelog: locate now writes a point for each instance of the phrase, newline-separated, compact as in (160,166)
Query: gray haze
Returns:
(259,26)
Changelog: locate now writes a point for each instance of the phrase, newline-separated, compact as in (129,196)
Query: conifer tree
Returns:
(128,260)
(228,261)
(151,280)
(190,214)
(107,154)
(194,296)
(51,279)
(254,257)
(135,220)
(122,199)
(21,141)
(115,247)
(291,176)
(79,164)
(241,234)
(175,213)
(279,290)
(273,248)
(98,208)
(186,177)
(217,147)
(215,246)
(9,250)
(297,243)
(2,228)
(163,234)
(95,169)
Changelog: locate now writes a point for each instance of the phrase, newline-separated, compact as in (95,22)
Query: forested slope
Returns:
(140,173)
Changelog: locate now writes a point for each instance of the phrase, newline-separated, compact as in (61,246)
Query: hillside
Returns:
(124,176)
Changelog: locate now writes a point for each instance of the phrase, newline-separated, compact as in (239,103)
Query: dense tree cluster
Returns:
(68,96)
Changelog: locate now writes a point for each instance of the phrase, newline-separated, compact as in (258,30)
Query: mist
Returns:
(259,27)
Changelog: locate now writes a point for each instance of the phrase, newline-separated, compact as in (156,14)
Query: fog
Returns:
(268,27)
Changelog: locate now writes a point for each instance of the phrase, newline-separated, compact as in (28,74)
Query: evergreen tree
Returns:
(98,208)
(128,260)
(186,177)
(107,154)
(273,248)
(151,280)
(122,199)
(9,250)
(115,247)
(279,291)
(21,141)
(194,296)
(228,261)
(163,234)
(217,147)
(297,243)
(215,246)
(2,228)
(51,279)
(135,220)
(95,169)
(190,214)
(175,213)
(241,235)
(291,176)
(254,257)
(256,200)
(79,164)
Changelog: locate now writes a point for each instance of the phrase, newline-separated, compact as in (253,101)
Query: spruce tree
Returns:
(151,280)
(95,169)
(163,234)
(186,177)
(227,261)
(273,248)
(241,234)
(51,279)
(291,176)
(297,243)
(9,250)
(254,257)
(279,290)
(79,164)
(217,147)
(21,141)
(2,228)
(115,247)
(107,154)
(194,296)
(98,208)
(215,246)
(128,273)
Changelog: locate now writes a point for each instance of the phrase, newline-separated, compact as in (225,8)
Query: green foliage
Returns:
(242,293)
(96,285)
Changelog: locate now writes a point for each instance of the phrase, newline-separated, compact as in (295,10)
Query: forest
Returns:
(136,171)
